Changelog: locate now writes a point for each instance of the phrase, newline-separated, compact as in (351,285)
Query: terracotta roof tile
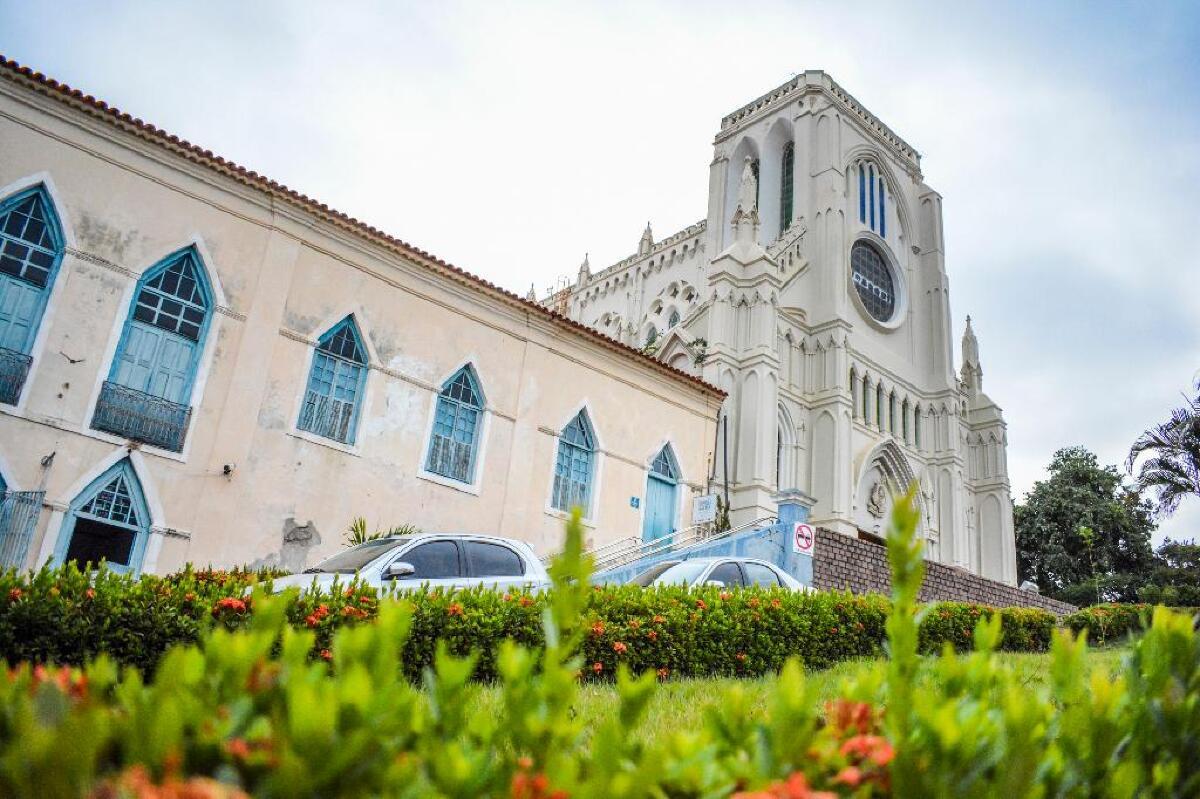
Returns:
(14,71)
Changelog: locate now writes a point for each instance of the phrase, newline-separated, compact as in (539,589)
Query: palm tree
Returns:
(1173,468)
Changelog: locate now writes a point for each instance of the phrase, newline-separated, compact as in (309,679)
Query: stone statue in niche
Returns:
(877,500)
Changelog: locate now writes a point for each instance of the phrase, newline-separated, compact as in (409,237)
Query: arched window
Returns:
(754,169)
(673,320)
(454,442)
(786,189)
(31,248)
(892,412)
(917,426)
(335,384)
(651,336)
(573,465)
(658,517)
(879,405)
(148,392)
(872,198)
(866,400)
(108,521)
(904,419)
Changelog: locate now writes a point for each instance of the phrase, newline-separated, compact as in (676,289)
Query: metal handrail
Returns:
(673,542)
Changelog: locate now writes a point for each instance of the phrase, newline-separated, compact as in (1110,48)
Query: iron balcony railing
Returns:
(14,368)
(19,512)
(142,417)
(327,417)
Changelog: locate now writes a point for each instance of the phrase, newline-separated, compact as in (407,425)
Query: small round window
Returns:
(873,280)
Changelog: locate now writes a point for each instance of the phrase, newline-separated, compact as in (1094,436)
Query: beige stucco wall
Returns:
(283,277)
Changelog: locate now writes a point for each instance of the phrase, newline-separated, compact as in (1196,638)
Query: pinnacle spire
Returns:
(972,371)
(647,241)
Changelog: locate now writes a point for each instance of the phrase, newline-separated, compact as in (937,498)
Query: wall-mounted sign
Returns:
(704,509)
(635,502)
(804,539)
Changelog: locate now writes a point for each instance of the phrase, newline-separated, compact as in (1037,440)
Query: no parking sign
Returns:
(804,539)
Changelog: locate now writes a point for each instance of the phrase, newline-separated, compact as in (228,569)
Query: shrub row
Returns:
(1114,622)
(63,616)
(248,711)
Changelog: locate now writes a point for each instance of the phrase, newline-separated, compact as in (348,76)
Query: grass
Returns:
(680,704)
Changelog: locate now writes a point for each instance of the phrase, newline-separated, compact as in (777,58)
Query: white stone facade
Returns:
(826,395)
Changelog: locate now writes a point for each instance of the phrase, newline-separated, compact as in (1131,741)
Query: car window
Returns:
(493,560)
(681,573)
(353,559)
(758,574)
(727,573)
(650,575)
(435,560)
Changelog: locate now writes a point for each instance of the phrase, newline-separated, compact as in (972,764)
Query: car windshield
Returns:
(645,578)
(354,558)
(684,573)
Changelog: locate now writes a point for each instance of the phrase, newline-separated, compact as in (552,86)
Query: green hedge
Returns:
(62,616)
(1114,622)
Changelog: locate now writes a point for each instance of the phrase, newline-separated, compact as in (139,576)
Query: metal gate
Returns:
(19,511)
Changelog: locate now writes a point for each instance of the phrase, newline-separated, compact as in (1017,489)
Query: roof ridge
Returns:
(61,91)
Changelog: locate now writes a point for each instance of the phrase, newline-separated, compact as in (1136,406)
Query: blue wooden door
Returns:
(156,362)
(659,517)
(19,305)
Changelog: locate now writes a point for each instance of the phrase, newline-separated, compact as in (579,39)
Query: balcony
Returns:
(142,417)
(14,368)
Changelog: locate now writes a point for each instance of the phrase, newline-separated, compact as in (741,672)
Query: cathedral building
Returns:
(815,293)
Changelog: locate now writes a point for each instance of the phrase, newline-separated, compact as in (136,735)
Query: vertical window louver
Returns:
(336,383)
(786,186)
(872,198)
(573,465)
(454,444)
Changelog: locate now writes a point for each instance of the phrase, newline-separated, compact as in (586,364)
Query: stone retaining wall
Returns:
(841,562)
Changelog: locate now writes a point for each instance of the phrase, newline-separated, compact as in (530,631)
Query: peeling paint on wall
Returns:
(405,408)
(98,237)
(296,542)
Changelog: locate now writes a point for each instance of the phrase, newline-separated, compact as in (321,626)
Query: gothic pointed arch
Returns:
(575,465)
(108,521)
(883,471)
(786,440)
(336,384)
(457,427)
(147,396)
(31,251)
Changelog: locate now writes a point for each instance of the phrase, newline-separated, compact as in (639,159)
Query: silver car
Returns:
(447,560)
(722,572)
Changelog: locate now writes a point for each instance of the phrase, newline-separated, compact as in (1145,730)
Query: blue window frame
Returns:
(659,517)
(147,396)
(454,443)
(336,383)
(31,250)
(574,464)
(664,464)
(108,521)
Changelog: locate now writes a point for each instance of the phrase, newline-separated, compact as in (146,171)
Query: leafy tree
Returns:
(1176,576)
(1109,561)
(1173,469)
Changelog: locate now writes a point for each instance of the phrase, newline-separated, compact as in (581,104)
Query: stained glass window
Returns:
(873,279)
(455,426)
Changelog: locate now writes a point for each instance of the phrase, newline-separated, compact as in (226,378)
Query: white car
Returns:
(721,572)
(447,560)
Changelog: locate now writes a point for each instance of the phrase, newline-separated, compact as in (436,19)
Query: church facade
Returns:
(815,293)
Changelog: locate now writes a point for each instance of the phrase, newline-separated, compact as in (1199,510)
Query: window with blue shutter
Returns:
(336,384)
(573,465)
(108,522)
(31,249)
(454,443)
(147,396)
(872,198)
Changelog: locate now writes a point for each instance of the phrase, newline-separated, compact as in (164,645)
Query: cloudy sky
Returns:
(511,138)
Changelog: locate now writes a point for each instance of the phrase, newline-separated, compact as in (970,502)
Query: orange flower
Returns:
(597,667)
(662,672)
(634,624)
(741,656)
(311,621)
(188,597)
(753,602)
(238,748)
(525,601)
(598,629)
(507,597)
(850,775)
(652,635)
(700,603)
(326,655)
(90,593)
(725,595)
(659,619)
(454,609)
(796,787)
(14,594)
(775,603)
(619,647)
